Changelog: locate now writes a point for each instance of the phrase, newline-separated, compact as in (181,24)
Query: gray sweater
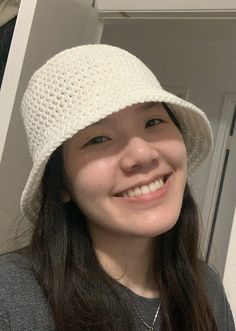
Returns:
(23,306)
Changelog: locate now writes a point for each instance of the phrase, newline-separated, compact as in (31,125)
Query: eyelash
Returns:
(94,141)
(154,119)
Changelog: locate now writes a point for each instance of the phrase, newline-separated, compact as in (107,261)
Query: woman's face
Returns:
(127,173)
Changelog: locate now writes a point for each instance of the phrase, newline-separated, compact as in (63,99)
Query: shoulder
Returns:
(14,260)
(16,274)
(217,297)
(211,279)
(22,301)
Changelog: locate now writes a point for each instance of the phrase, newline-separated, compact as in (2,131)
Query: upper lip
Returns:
(144,182)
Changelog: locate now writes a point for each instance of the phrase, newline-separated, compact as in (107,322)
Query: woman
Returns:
(115,240)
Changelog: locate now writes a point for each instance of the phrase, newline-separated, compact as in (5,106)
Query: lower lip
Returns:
(148,197)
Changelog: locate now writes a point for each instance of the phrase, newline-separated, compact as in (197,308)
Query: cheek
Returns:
(173,147)
(88,179)
(177,155)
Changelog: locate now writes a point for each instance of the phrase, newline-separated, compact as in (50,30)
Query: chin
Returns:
(154,230)
(161,222)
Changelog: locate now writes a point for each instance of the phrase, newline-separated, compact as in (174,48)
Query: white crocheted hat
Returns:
(84,84)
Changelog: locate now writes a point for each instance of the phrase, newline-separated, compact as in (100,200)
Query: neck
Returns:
(128,260)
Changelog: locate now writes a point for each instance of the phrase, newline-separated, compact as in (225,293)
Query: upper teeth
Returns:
(144,189)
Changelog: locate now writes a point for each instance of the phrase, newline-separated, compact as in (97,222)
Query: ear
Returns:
(65,197)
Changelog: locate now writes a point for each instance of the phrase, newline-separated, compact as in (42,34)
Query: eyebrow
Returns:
(149,105)
(100,122)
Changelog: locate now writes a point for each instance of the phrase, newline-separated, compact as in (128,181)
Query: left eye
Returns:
(97,140)
(153,122)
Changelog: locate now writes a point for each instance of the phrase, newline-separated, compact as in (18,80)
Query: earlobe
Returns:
(65,197)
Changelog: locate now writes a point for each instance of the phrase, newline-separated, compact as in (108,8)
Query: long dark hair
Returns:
(83,296)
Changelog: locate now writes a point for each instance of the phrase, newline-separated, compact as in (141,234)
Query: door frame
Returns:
(216,168)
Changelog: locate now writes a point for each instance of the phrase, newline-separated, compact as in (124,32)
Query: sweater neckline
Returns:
(138,297)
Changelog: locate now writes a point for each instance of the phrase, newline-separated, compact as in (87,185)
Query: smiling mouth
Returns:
(144,189)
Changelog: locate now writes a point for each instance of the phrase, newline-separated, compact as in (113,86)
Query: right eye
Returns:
(97,140)
(154,122)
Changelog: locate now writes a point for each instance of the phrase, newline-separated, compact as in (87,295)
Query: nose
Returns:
(138,154)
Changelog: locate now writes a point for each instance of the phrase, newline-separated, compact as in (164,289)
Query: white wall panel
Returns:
(170,5)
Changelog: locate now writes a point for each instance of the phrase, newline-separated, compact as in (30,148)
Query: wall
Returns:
(179,5)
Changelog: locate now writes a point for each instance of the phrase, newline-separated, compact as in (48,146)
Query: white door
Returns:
(226,203)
